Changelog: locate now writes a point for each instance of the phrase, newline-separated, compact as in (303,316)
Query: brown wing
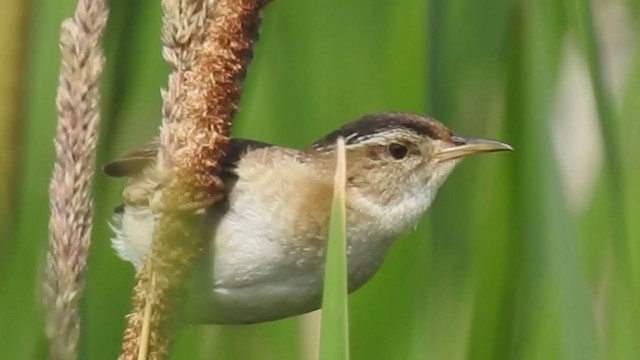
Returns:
(134,162)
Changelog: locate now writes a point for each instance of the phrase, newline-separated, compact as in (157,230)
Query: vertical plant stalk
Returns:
(608,116)
(12,53)
(78,106)
(209,45)
(334,327)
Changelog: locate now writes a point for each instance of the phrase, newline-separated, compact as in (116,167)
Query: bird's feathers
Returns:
(135,162)
(377,124)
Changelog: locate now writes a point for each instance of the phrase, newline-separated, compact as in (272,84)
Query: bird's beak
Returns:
(469,146)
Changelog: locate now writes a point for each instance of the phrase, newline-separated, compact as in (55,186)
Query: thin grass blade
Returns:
(334,327)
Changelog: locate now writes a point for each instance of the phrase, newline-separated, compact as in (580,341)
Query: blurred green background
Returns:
(529,255)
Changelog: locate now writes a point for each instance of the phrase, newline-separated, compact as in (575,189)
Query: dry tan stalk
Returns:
(77,103)
(209,45)
(12,53)
(143,348)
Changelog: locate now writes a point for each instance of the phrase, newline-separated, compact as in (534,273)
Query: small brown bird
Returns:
(268,236)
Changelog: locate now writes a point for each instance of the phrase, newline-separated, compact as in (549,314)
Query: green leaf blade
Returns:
(334,327)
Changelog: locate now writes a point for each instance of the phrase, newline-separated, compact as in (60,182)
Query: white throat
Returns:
(395,218)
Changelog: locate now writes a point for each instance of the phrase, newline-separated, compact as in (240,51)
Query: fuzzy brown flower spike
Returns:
(209,45)
(78,103)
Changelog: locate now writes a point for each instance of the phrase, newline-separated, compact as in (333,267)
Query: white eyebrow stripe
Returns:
(350,137)
(375,137)
(357,139)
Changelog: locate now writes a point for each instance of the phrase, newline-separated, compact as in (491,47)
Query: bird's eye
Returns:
(398,151)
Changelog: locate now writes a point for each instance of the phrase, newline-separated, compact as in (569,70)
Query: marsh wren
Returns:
(268,236)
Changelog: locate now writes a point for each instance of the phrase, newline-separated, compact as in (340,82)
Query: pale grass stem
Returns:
(334,327)
(78,107)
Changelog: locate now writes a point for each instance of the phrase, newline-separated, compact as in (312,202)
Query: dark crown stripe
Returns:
(369,125)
